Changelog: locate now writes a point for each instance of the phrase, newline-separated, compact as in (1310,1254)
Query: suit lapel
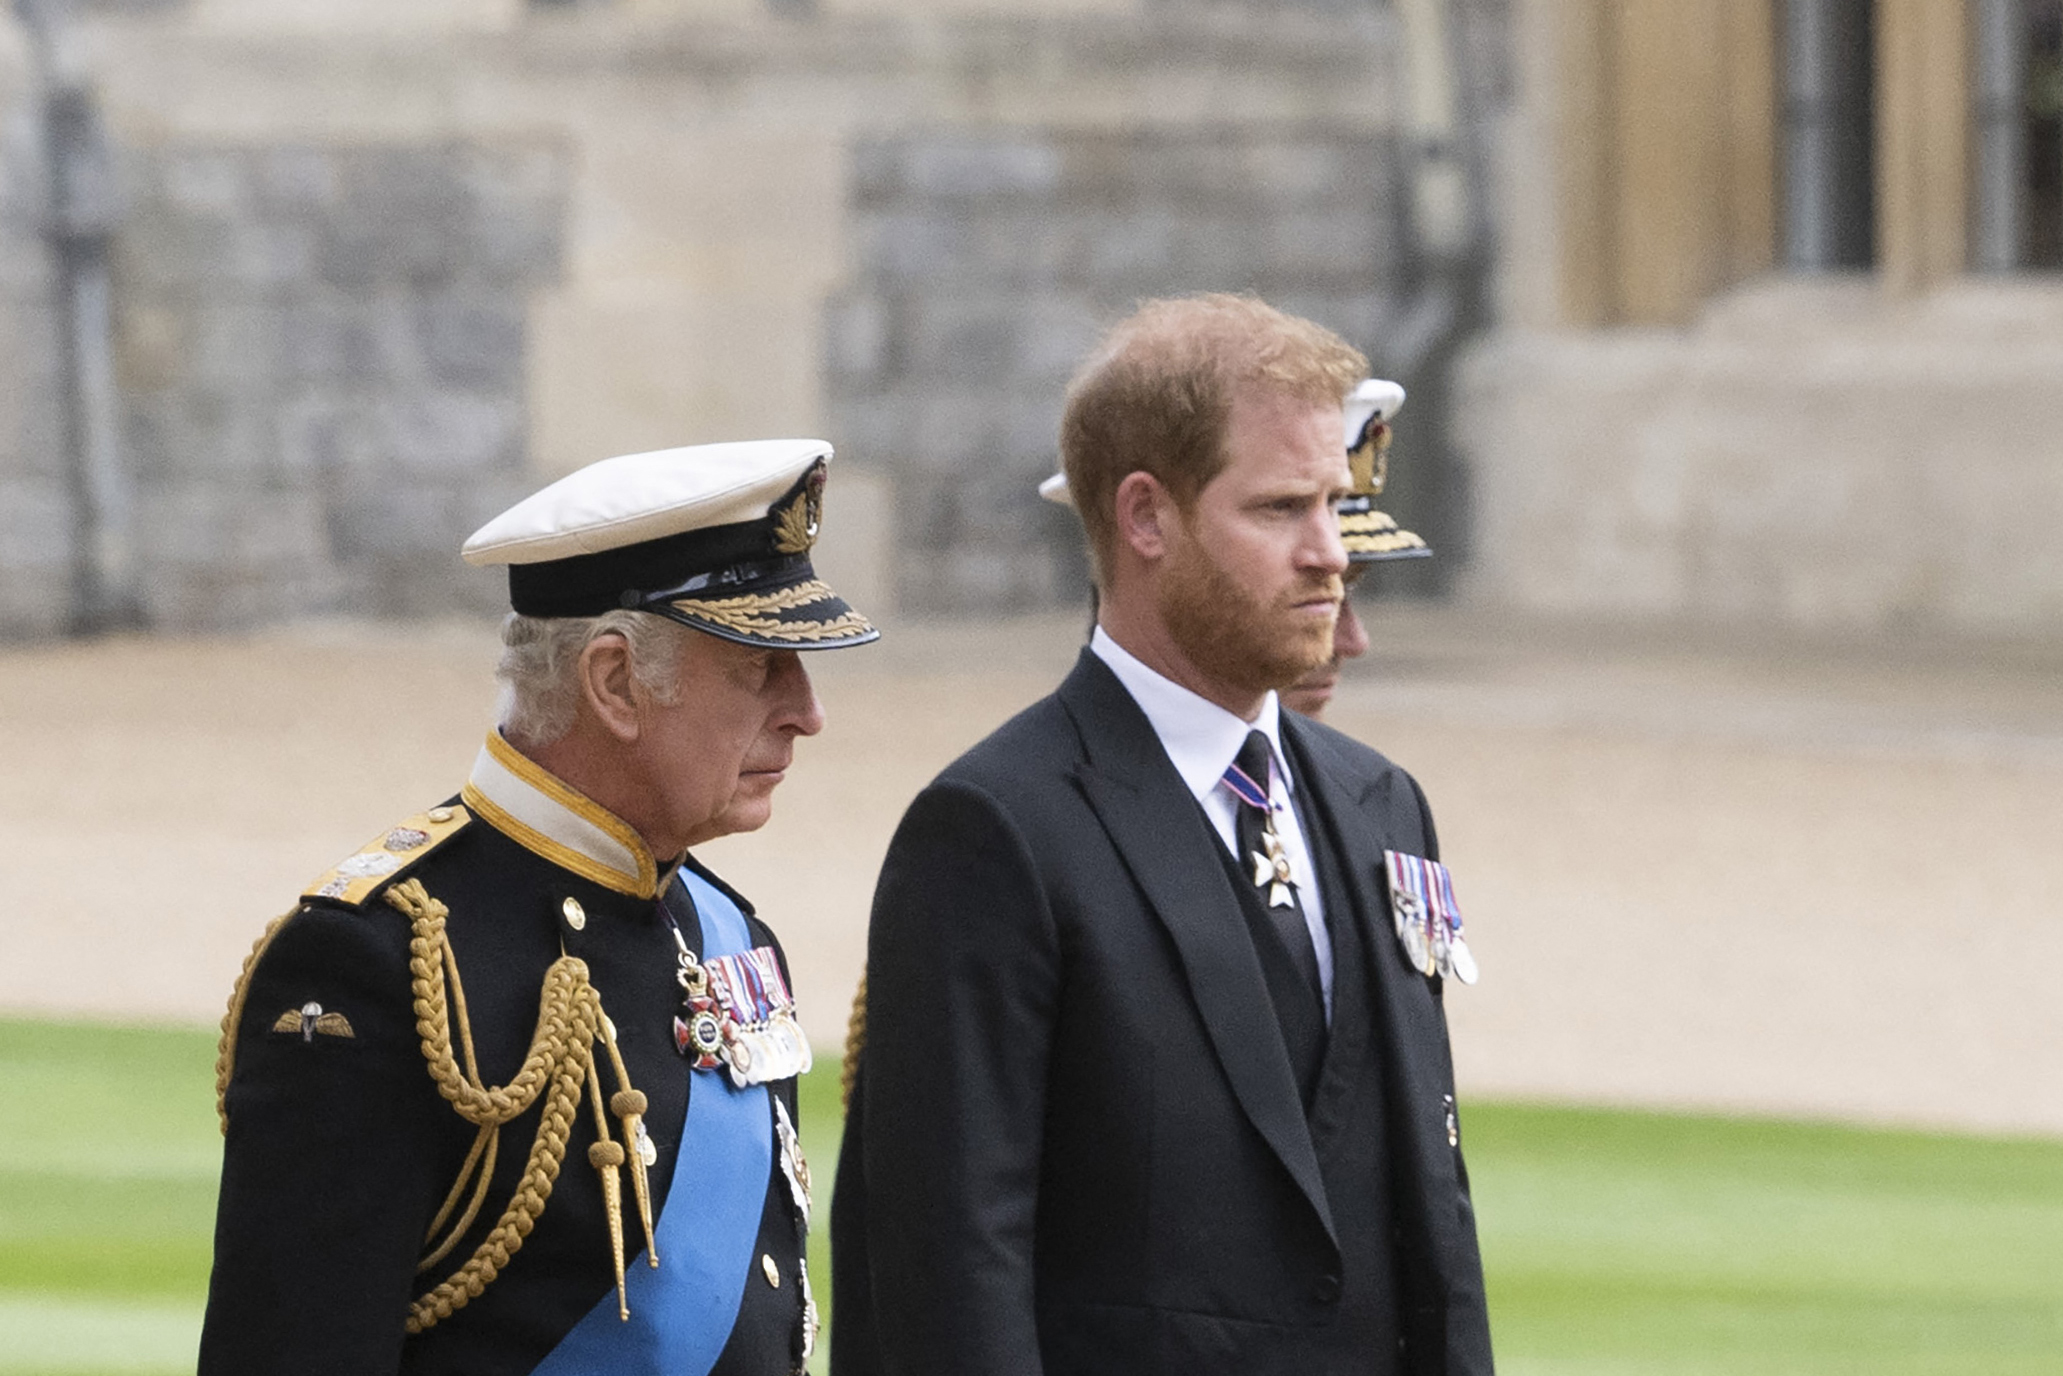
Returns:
(1410,1028)
(1168,846)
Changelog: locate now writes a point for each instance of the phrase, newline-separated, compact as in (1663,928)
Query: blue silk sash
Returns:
(681,1315)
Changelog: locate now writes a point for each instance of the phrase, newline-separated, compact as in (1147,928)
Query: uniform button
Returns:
(769,1270)
(576,916)
(1327,1290)
(440,814)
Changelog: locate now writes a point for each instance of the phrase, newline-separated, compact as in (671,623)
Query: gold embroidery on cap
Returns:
(756,614)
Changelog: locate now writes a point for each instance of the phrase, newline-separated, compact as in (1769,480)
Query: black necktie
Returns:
(1262,858)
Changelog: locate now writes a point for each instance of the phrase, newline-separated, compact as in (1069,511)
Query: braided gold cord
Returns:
(490,1138)
(855,1043)
(560,1061)
(225,1051)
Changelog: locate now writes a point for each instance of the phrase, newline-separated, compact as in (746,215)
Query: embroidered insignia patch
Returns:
(309,1020)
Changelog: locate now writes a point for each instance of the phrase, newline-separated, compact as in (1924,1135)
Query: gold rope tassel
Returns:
(560,1061)
(607,1159)
(855,1043)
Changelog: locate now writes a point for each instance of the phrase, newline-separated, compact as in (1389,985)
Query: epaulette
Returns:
(355,879)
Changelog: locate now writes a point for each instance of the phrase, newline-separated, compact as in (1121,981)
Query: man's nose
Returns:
(1349,637)
(1322,549)
(799,710)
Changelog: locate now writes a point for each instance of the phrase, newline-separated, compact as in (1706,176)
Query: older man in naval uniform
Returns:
(512,1088)
(1156,1075)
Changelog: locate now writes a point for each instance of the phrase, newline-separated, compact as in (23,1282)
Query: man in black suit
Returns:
(1155,1074)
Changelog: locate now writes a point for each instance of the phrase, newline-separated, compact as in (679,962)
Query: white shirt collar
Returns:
(1200,737)
(541,812)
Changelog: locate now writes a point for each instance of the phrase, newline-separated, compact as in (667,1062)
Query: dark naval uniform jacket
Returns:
(341,1149)
(1081,1139)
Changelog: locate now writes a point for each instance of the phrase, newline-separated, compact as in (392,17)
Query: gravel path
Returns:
(1828,885)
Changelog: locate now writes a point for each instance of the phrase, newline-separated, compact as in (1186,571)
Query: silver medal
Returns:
(1462,962)
(794,1165)
(1416,948)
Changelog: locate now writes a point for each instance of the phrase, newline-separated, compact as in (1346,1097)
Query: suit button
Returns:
(1327,1290)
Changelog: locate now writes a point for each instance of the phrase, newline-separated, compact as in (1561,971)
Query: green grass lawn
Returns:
(1615,1242)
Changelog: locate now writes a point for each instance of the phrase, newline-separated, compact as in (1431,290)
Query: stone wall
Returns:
(388,261)
(986,263)
(35,506)
(1811,455)
(322,352)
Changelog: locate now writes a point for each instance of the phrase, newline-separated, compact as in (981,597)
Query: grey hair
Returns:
(540,660)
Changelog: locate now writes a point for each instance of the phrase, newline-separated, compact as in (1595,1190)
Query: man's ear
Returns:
(1144,507)
(606,685)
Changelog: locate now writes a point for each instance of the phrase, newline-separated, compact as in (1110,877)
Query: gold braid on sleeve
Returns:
(560,1062)
(225,1050)
(855,1043)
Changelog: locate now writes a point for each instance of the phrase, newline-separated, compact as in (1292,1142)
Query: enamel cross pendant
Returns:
(1272,870)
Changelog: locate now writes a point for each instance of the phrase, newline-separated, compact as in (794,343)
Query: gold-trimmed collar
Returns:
(527,803)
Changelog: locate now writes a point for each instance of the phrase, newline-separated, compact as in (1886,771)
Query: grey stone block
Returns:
(445,434)
(402,216)
(35,526)
(400,440)
(472,338)
(857,330)
(198,434)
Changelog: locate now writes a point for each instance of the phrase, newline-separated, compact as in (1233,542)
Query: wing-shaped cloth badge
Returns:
(1427,917)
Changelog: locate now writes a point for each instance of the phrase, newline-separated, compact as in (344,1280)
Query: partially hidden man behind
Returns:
(512,1088)
(1155,1074)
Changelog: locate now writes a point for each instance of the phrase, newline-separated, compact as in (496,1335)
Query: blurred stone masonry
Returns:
(35,508)
(384,263)
(987,262)
(322,355)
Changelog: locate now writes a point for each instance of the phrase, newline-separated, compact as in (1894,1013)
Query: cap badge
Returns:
(796,524)
(1369,463)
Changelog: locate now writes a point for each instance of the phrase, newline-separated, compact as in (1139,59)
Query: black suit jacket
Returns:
(1075,1143)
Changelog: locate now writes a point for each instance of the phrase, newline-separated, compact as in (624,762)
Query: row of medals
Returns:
(1431,943)
(709,1034)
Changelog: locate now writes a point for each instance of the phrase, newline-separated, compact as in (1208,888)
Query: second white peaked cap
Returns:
(714,536)
(1373,399)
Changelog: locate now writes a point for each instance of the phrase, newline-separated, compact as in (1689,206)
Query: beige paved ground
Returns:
(1694,875)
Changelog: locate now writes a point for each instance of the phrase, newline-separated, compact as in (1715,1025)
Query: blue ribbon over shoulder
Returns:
(681,1314)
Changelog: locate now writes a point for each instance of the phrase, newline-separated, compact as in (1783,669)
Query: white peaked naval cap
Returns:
(714,536)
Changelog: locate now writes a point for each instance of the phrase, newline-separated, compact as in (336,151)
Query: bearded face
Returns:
(1249,627)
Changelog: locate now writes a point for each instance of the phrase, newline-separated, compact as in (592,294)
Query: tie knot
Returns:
(1254,759)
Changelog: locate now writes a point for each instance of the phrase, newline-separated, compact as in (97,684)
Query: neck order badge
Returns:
(681,1313)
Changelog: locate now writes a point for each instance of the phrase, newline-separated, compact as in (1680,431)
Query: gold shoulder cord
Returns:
(855,1043)
(560,1060)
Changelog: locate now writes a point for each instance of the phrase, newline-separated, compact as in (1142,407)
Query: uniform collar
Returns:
(1200,737)
(540,812)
